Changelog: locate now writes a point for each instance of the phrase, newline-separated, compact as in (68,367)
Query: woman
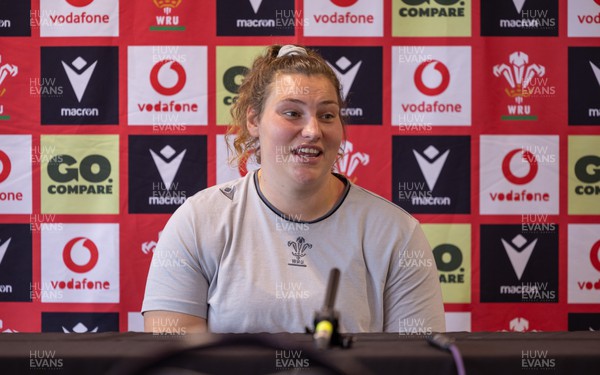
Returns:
(254,254)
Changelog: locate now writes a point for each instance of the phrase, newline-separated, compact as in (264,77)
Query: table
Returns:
(489,353)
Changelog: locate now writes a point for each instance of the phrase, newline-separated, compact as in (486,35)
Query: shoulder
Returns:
(376,206)
(223,194)
(215,202)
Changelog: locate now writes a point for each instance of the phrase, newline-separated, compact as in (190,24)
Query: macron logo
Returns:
(167,163)
(80,328)
(78,76)
(431,164)
(519,5)
(596,71)
(255,5)
(3,248)
(519,252)
(345,73)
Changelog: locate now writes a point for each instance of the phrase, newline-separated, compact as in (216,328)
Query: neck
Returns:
(305,204)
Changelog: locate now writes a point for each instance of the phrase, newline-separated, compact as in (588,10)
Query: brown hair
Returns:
(254,91)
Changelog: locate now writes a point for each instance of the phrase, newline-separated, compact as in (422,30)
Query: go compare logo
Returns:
(80,174)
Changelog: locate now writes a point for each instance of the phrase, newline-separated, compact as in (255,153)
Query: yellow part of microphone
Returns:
(324,326)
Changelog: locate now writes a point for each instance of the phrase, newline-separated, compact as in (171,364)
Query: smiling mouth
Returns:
(307,152)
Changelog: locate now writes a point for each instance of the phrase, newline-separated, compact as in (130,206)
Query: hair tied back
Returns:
(290,50)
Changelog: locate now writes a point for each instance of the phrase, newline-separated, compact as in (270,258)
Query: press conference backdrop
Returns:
(481,118)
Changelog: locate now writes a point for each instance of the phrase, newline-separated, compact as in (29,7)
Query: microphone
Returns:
(326,320)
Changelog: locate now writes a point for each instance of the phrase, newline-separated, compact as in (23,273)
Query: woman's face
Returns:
(299,131)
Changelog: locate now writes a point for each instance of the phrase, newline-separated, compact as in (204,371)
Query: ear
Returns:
(252,122)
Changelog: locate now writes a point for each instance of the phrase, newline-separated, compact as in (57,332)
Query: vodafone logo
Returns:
(177,68)
(421,76)
(344,3)
(80,3)
(86,244)
(597,2)
(595,255)
(5,166)
(527,156)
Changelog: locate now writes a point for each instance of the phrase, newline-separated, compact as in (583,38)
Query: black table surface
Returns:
(371,353)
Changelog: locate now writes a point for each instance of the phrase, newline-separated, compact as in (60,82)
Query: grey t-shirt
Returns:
(228,256)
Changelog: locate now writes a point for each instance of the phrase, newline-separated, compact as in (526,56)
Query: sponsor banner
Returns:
(15,174)
(80,174)
(167,86)
(584,85)
(359,70)
(171,15)
(451,244)
(584,321)
(15,263)
(584,175)
(73,18)
(518,265)
(518,317)
(518,174)
(233,63)
(584,263)
(431,85)
(15,18)
(79,322)
(79,86)
(437,18)
(523,85)
(19,320)
(343,18)
(138,255)
(10,77)
(257,18)
(431,174)
(80,264)
(519,18)
(458,321)
(364,150)
(583,18)
(164,171)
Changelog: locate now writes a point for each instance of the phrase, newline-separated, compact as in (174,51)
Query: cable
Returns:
(447,343)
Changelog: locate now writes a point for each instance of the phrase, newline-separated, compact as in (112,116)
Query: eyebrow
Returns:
(298,101)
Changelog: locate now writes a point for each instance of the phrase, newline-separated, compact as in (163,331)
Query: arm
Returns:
(160,321)
(177,285)
(413,297)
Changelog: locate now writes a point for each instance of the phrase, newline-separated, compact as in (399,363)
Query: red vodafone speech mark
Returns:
(431,91)
(181,78)
(595,255)
(90,246)
(80,3)
(5,165)
(344,3)
(533,167)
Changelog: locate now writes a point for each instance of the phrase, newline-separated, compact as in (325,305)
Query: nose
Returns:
(312,128)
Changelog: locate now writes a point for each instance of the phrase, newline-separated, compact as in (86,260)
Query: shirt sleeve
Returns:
(176,281)
(412,295)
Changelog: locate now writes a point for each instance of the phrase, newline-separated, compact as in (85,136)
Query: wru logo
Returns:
(300,246)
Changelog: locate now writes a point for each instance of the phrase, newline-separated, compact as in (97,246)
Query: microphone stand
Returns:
(326,321)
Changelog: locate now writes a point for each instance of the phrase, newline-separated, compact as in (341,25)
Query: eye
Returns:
(291,113)
(328,116)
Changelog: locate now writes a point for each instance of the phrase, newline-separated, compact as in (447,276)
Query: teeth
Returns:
(308,150)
